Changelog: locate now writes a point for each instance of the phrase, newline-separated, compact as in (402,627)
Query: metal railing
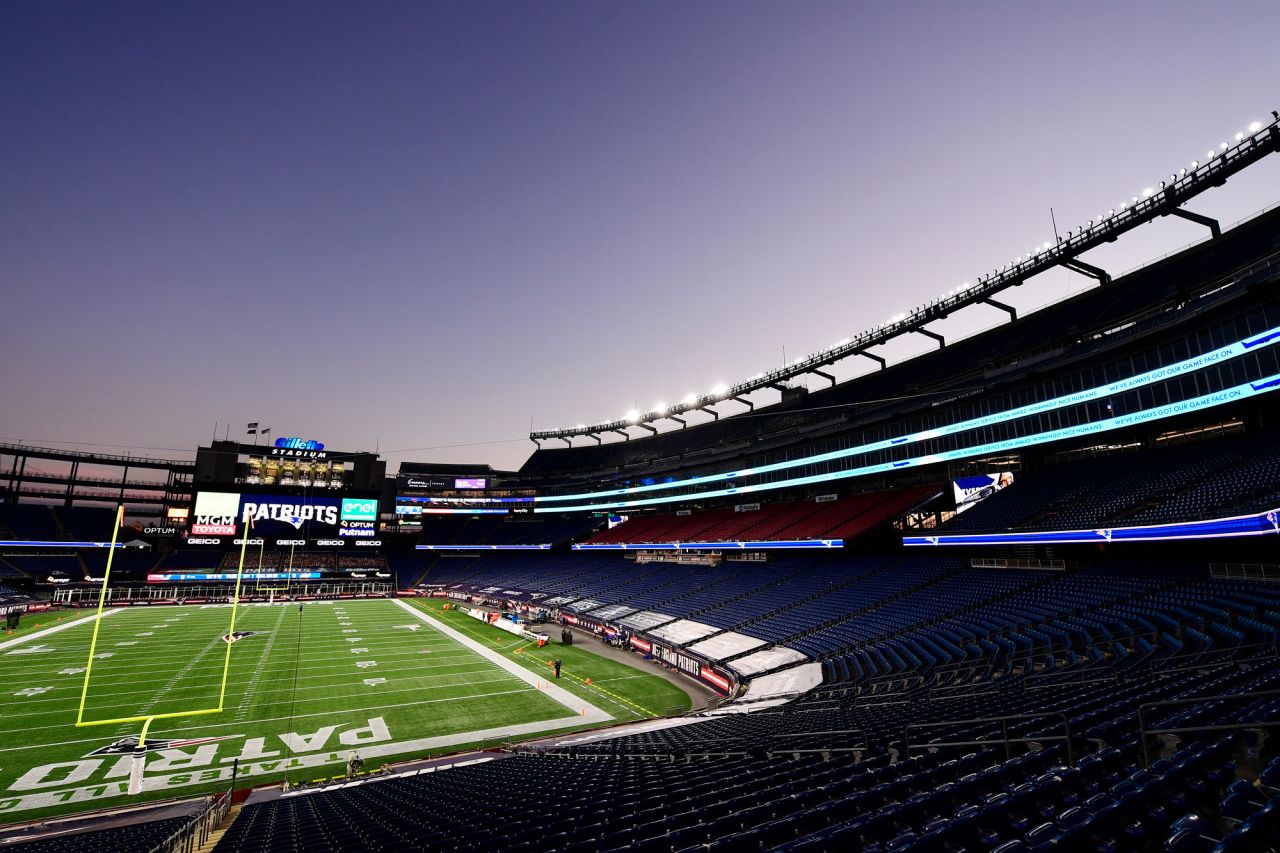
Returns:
(89,456)
(1101,674)
(1245,571)
(215,593)
(1013,563)
(1212,657)
(964,691)
(196,832)
(1143,731)
(1004,733)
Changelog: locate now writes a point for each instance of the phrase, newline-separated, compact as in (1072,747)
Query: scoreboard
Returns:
(284,520)
(427,494)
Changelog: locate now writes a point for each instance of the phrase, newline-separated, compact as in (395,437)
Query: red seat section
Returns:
(843,519)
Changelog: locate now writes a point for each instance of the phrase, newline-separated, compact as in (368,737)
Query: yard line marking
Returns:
(590,713)
(245,701)
(609,693)
(472,668)
(379,707)
(55,629)
(169,685)
(175,650)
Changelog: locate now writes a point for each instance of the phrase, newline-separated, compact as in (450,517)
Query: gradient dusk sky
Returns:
(427,224)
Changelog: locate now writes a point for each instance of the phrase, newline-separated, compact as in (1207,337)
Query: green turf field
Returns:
(306,688)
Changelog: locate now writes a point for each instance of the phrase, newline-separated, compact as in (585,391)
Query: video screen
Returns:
(300,517)
(471,483)
(275,471)
(969,491)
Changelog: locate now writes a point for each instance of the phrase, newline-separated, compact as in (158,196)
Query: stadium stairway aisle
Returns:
(216,835)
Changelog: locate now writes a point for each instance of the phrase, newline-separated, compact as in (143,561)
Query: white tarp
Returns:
(725,645)
(765,660)
(798,679)
(683,631)
(612,612)
(646,619)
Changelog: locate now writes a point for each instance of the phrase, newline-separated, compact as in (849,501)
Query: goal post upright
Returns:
(97,622)
(148,719)
(288,578)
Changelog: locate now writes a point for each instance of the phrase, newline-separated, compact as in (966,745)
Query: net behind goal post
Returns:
(140,750)
(259,588)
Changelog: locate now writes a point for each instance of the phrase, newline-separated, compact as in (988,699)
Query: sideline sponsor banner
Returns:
(230,576)
(691,665)
(753,544)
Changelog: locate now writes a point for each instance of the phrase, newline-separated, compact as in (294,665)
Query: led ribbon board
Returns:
(176,577)
(1268,338)
(1160,374)
(753,544)
(483,547)
(1207,401)
(48,543)
(1261,524)
(414,510)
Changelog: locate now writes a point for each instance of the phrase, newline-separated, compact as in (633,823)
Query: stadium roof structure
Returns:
(1166,199)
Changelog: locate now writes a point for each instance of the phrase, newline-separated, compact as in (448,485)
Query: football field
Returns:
(307,685)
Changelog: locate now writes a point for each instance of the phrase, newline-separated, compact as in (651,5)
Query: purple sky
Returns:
(423,224)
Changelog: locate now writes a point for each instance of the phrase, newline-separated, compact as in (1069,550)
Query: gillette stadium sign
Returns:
(298,447)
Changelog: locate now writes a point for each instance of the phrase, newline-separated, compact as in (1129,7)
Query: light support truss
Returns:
(745,545)
(1167,201)
(1252,344)
(608,500)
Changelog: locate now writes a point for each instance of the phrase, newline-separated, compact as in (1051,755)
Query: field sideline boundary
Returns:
(590,713)
(17,641)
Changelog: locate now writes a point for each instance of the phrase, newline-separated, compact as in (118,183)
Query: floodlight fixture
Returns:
(1222,162)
